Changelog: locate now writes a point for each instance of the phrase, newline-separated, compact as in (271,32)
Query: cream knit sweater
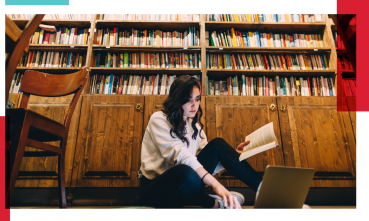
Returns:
(160,151)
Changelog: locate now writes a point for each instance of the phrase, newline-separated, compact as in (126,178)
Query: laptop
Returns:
(284,187)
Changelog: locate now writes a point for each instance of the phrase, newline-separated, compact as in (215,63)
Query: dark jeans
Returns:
(181,185)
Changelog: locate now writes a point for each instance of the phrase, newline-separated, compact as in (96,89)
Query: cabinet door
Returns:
(42,171)
(316,135)
(233,118)
(109,140)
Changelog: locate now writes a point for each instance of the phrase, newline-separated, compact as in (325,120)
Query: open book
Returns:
(260,140)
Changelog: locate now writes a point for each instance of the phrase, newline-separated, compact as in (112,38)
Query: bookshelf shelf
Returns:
(141,71)
(269,73)
(280,27)
(161,25)
(268,50)
(58,47)
(135,48)
(65,22)
(49,69)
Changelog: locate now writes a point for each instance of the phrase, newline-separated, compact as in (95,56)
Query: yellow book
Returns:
(233,37)
(236,17)
(248,17)
(306,62)
(224,61)
(251,39)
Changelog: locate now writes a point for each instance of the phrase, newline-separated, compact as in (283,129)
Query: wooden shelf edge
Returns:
(266,23)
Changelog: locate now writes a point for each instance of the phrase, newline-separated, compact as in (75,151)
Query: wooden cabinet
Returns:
(234,117)
(109,141)
(42,171)
(315,135)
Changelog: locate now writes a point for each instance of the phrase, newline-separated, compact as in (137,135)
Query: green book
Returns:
(125,60)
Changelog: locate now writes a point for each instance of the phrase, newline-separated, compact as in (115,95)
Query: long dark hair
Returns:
(179,94)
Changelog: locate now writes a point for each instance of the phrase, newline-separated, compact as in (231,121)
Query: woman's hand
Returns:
(227,197)
(240,147)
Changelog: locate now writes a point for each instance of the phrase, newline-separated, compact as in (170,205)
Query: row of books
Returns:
(16,83)
(132,84)
(267,61)
(345,64)
(151,17)
(272,86)
(148,60)
(53,16)
(349,86)
(63,35)
(236,38)
(266,17)
(52,59)
(114,36)
(338,41)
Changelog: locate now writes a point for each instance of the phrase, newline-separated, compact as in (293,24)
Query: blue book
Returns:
(69,55)
(292,16)
(194,36)
(275,17)
(258,38)
(248,40)
(117,38)
(59,34)
(110,83)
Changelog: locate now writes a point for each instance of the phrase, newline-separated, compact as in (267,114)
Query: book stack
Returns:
(272,86)
(52,59)
(53,16)
(349,87)
(266,17)
(63,35)
(267,61)
(115,36)
(151,17)
(236,38)
(345,64)
(16,83)
(132,84)
(338,41)
(148,60)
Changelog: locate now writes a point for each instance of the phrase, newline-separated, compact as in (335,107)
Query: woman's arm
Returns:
(219,189)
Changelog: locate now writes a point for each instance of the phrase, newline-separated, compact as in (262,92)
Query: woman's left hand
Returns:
(240,147)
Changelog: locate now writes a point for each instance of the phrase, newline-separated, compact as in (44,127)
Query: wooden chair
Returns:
(17,41)
(28,128)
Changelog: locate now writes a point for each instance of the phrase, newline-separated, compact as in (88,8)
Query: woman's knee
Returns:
(188,177)
(218,141)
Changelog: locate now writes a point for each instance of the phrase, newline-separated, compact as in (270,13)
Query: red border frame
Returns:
(357,7)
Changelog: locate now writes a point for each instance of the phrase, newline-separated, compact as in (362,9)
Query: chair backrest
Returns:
(53,85)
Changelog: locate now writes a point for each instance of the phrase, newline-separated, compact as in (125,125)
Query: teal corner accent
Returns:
(36,2)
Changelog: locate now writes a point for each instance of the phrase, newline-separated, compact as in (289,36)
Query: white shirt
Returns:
(160,151)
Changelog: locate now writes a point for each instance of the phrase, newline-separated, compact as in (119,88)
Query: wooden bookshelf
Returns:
(107,115)
(66,22)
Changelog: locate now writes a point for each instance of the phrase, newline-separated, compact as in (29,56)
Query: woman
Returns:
(171,175)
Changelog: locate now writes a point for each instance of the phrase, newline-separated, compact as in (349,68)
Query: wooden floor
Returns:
(125,207)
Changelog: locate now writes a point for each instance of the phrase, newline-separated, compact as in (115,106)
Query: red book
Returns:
(288,62)
(234,60)
(309,86)
(242,43)
(115,36)
(172,60)
(147,60)
(266,62)
(46,38)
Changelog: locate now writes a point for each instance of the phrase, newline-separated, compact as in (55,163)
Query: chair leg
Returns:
(61,177)
(16,150)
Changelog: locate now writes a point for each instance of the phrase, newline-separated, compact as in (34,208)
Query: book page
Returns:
(260,137)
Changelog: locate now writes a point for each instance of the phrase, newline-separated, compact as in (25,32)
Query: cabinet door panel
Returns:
(233,118)
(316,136)
(42,171)
(108,143)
